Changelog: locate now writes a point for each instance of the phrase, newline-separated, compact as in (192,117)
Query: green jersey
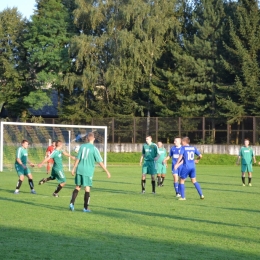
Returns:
(88,155)
(246,154)
(150,151)
(56,155)
(163,154)
(21,154)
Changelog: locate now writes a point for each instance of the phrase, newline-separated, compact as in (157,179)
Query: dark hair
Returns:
(247,139)
(25,141)
(58,141)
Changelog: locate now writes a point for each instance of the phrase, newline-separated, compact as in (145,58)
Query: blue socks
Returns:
(197,186)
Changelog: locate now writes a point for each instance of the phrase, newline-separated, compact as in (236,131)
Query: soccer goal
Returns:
(40,136)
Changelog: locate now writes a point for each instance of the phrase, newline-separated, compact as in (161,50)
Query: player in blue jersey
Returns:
(174,154)
(187,154)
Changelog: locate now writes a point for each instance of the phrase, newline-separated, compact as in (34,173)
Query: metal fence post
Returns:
(203,130)
(179,126)
(113,130)
(254,130)
(134,132)
(156,129)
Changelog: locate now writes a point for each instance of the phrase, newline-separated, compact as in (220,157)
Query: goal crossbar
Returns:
(3,123)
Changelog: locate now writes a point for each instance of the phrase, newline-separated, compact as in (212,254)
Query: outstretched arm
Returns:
(69,155)
(105,169)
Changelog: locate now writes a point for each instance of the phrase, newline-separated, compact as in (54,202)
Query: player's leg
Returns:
(43,180)
(28,174)
(162,180)
(87,184)
(158,179)
(86,199)
(78,182)
(152,170)
(192,176)
(176,183)
(249,171)
(143,178)
(20,181)
(183,175)
(243,171)
(60,177)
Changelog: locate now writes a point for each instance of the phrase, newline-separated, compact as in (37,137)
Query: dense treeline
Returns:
(132,57)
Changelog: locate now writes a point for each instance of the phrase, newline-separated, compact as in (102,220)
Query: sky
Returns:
(25,7)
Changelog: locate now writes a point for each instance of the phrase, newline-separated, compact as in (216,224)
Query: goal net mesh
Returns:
(40,136)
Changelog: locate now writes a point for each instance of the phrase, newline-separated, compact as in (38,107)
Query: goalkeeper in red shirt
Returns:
(49,150)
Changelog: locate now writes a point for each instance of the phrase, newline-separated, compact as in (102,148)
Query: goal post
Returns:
(41,135)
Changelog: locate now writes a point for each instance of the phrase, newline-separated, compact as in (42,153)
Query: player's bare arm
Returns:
(30,163)
(105,169)
(74,167)
(198,158)
(69,155)
(20,162)
(44,161)
(141,160)
(179,162)
(238,160)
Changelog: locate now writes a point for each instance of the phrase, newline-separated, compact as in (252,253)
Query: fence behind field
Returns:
(201,130)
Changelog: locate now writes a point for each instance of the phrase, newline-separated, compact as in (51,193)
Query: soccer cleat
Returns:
(153,192)
(33,191)
(55,195)
(16,192)
(243,184)
(143,192)
(71,207)
(86,210)
(202,197)
(42,181)
(178,195)
(182,198)
(249,184)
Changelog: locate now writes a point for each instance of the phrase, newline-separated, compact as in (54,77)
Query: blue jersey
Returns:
(188,153)
(174,154)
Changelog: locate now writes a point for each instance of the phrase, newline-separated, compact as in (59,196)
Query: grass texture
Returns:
(125,224)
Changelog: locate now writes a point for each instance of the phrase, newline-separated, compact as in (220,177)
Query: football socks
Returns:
(153,186)
(197,186)
(86,199)
(143,184)
(74,196)
(58,189)
(31,183)
(243,180)
(18,185)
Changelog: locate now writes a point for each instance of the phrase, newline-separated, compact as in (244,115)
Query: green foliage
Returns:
(38,99)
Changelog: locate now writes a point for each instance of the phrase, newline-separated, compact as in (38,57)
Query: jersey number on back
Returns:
(190,156)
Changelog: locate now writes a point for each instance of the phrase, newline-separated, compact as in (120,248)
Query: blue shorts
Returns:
(178,171)
(187,172)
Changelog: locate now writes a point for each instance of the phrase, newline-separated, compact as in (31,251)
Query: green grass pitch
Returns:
(125,224)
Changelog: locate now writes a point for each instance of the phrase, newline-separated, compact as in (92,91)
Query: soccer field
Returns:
(125,224)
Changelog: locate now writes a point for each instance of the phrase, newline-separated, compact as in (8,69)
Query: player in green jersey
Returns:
(246,155)
(150,155)
(84,168)
(160,165)
(57,169)
(22,168)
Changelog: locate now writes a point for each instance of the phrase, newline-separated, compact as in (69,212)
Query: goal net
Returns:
(40,136)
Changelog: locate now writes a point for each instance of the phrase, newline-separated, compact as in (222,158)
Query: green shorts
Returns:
(149,168)
(82,180)
(58,175)
(161,168)
(21,171)
(246,168)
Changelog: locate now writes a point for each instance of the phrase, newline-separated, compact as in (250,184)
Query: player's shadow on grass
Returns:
(92,243)
(36,204)
(171,216)
(234,209)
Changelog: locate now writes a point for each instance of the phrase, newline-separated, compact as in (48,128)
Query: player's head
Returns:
(160,144)
(185,140)
(53,143)
(25,144)
(91,137)
(177,141)
(148,139)
(58,143)
(246,141)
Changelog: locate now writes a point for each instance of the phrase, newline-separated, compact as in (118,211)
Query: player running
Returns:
(246,154)
(22,168)
(84,168)
(161,165)
(57,169)
(174,154)
(150,154)
(49,150)
(187,154)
